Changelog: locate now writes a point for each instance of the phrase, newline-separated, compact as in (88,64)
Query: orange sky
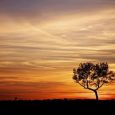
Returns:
(42,41)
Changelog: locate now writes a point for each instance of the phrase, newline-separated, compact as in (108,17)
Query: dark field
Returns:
(57,106)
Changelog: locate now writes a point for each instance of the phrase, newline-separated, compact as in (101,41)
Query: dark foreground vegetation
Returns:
(57,106)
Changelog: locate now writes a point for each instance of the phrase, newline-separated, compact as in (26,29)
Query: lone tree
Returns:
(93,76)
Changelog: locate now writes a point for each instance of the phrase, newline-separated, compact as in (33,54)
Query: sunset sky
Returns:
(41,41)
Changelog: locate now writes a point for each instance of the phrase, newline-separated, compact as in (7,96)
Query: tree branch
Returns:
(87,83)
(88,86)
(98,82)
(82,85)
(99,86)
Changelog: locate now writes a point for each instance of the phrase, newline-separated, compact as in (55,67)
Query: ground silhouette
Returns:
(57,106)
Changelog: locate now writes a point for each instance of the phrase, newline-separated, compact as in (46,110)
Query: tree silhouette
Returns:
(93,76)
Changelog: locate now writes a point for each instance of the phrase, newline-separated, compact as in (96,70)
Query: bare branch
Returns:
(98,82)
(101,85)
(82,85)
(88,86)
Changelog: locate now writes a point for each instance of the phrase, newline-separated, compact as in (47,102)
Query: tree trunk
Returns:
(95,91)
